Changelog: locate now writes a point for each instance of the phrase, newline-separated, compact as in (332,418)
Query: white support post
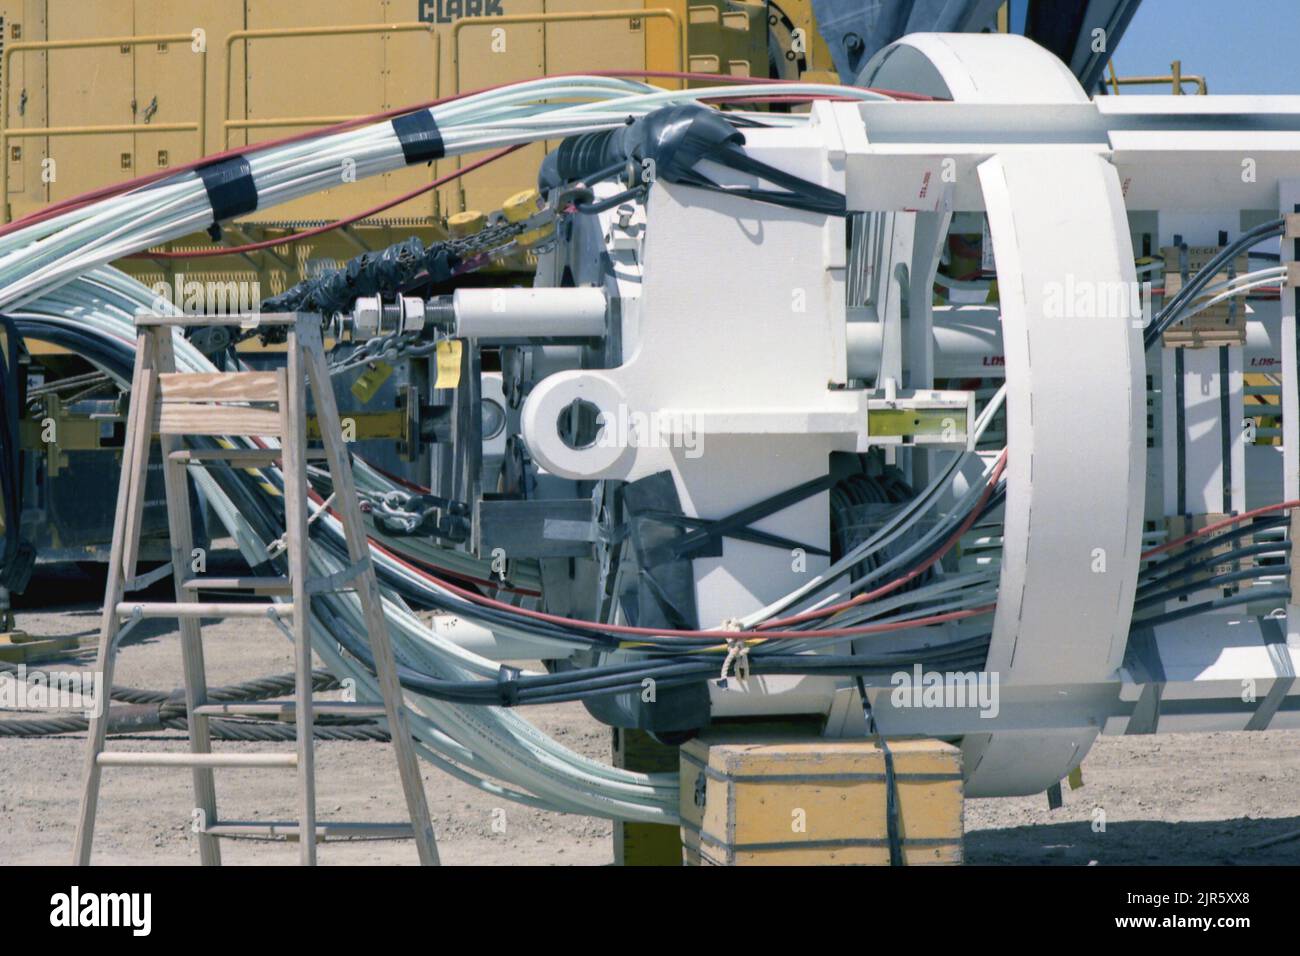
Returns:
(1288,203)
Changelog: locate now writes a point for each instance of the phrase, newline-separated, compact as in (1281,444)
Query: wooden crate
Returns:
(1221,324)
(813,801)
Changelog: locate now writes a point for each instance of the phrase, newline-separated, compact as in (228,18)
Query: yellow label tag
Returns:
(369,381)
(448,364)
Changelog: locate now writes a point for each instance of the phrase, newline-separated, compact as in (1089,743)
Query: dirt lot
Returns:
(1170,799)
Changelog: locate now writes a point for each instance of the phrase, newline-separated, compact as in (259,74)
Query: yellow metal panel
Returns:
(91,87)
(411,65)
(170,76)
(318,77)
(596,45)
(799,14)
(482,57)
(313,76)
(663,42)
(330,76)
(24,20)
(645,844)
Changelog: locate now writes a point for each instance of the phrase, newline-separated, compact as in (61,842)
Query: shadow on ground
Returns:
(76,591)
(1178,843)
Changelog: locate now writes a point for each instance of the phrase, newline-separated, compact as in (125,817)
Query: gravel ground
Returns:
(1173,799)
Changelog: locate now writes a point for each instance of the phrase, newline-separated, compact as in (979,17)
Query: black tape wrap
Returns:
(508,685)
(419,136)
(230,186)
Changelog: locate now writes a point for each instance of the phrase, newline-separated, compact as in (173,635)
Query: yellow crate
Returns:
(811,801)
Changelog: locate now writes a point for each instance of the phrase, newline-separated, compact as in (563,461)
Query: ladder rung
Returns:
(245,320)
(189,387)
(264,708)
(238,456)
(263,586)
(325,832)
(187,419)
(143,758)
(200,609)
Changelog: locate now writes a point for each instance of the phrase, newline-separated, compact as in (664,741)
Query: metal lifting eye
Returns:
(579,424)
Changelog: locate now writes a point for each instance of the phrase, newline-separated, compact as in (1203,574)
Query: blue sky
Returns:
(1239,46)
(1247,46)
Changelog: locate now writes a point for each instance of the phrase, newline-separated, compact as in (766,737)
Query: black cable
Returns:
(1217,581)
(1216,540)
(1227,557)
(591,208)
(1174,308)
(1232,600)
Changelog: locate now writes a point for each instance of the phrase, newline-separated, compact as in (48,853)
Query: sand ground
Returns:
(1174,799)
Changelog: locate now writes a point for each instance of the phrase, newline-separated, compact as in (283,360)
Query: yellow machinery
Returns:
(95,93)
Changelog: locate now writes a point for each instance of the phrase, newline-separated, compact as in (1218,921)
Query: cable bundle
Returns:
(55,284)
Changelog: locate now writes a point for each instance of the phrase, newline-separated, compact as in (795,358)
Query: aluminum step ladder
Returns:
(261,404)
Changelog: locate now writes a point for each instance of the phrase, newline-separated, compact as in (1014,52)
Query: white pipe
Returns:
(500,314)
(968,344)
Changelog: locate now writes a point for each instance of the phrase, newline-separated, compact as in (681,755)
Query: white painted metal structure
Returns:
(1066,181)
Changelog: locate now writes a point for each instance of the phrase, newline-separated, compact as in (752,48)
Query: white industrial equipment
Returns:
(747,366)
(728,456)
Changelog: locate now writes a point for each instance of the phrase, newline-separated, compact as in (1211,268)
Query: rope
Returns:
(220,729)
(259,688)
(169,711)
(280,544)
(737,653)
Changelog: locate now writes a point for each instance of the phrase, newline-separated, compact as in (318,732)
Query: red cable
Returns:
(480,599)
(829,632)
(1225,523)
(658,632)
(809,98)
(861,630)
(667,632)
(398,479)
